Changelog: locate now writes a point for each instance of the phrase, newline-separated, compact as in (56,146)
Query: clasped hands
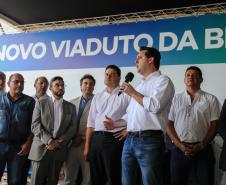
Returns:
(54,144)
(190,149)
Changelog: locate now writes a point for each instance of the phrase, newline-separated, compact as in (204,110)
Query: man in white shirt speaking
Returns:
(192,126)
(146,118)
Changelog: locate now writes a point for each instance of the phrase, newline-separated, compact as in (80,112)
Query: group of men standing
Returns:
(114,138)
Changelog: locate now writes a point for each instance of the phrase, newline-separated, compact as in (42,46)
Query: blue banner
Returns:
(189,40)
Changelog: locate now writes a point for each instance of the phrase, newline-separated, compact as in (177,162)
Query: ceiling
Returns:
(39,11)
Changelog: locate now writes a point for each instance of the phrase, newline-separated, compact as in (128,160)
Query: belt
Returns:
(104,133)
(191,143)
(145,133)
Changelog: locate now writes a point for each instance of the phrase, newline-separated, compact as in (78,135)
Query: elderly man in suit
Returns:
(53,126)
(75,158)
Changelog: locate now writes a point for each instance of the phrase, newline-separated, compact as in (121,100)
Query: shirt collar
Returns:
(55,100)
(197,93)
(115,91)
(41,97)
(88,98)
(156,73)
(21,96)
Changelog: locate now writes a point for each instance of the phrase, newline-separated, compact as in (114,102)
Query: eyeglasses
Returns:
(17,82)
(59,85)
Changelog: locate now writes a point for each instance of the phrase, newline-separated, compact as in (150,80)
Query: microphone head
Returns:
(129,77)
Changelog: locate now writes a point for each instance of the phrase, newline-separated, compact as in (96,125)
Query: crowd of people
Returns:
(144,135)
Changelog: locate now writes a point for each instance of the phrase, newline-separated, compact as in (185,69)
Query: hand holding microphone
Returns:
(128,78)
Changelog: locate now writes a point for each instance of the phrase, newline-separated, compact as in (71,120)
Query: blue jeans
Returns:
(146,154)
(200,166)
(15,163)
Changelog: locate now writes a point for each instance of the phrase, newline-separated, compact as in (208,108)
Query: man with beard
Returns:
(16,111)
(53,126)
(41,85)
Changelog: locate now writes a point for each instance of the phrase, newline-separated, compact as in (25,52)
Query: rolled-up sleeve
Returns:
(163,91)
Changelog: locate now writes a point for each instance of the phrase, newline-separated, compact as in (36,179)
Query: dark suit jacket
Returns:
(43,126)
(222,132)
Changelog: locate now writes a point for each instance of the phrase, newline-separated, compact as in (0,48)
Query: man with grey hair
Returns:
(41,85)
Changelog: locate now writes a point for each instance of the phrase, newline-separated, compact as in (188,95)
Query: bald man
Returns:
(16,111)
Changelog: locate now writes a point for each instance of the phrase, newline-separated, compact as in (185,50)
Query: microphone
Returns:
(128,78)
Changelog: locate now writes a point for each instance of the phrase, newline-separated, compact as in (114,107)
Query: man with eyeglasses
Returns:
(53,126)
(192,125)
(16,111)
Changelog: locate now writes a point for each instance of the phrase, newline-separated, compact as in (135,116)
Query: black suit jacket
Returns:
(222,132)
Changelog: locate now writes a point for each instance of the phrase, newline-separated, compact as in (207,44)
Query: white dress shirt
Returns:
(192,119)
(58,109)
(158,91)
(106,104)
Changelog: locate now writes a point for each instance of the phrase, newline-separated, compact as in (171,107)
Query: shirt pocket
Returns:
(3,114)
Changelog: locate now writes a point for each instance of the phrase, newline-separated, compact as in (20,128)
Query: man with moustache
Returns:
(102,148)
(53,126)
(16,111)
(75,159)
(41,85)
(192,125)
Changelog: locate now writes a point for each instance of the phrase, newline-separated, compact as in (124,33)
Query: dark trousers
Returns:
(26,168)
(15,163)
(201,166)
(105,159)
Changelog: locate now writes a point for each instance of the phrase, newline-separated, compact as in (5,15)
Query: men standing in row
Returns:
(75,158)
(192,126)
(16,111)
(41,85)
(53,126)
(102,149)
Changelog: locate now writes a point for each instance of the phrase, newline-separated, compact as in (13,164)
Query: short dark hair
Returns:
(14,74)
(2,76)
(36,80)
(114,67)
(87,76)
(195,68)
(152,52)
(54,79)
